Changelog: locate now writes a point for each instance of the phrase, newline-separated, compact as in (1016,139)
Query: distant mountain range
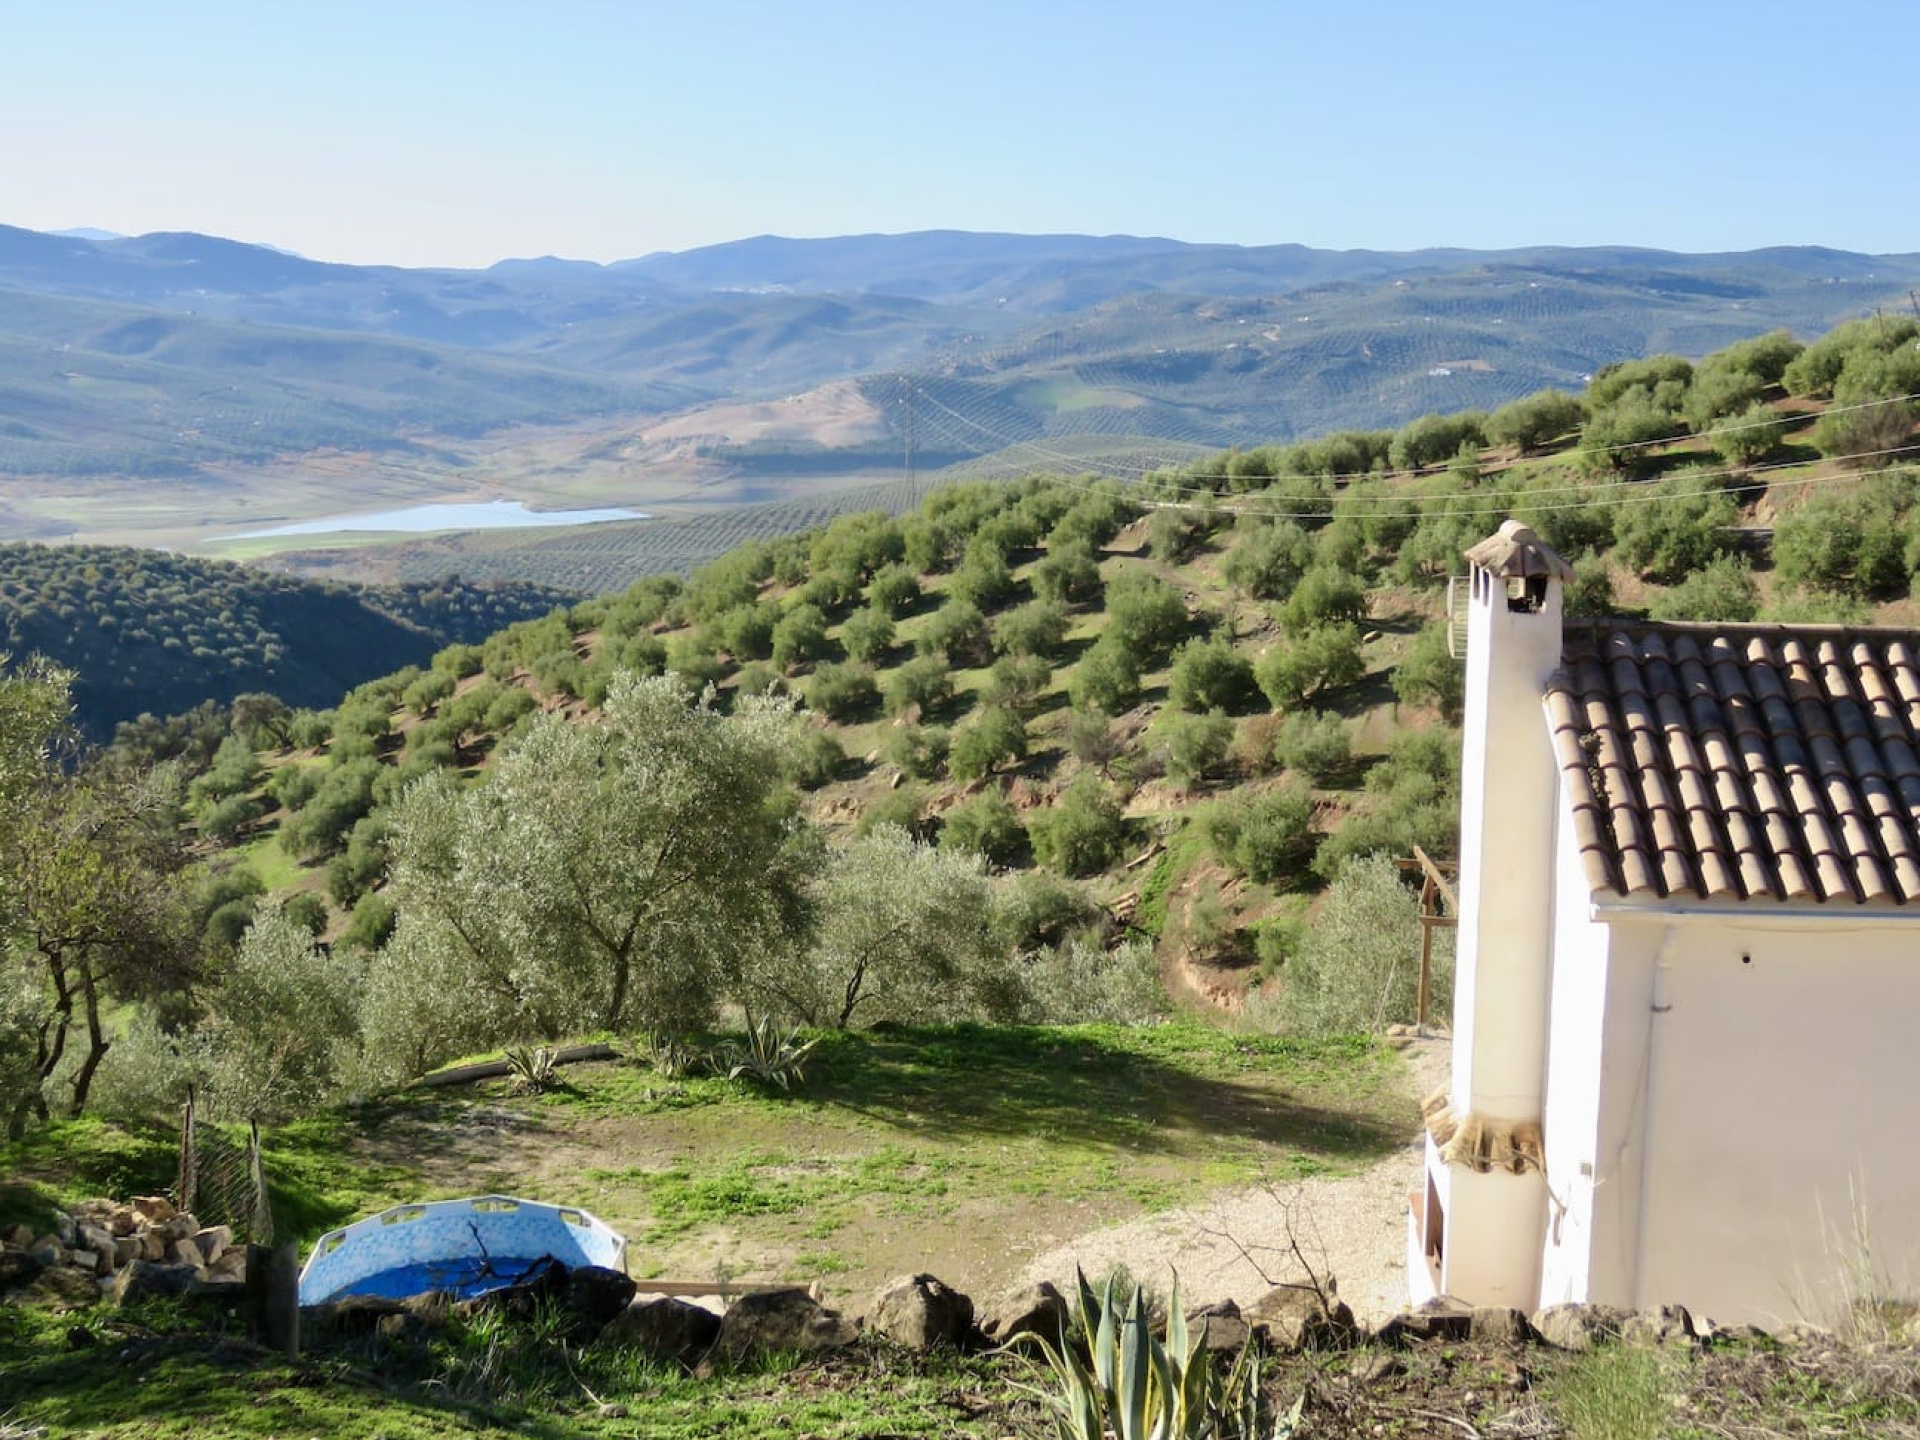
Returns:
(179,356)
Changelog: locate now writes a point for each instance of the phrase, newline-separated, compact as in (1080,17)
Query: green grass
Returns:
(1619,1392)
(154,1373)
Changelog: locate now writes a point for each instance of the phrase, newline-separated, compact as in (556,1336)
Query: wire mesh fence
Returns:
(222,1180)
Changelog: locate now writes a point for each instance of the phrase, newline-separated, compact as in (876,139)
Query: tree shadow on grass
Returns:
(1089,1088)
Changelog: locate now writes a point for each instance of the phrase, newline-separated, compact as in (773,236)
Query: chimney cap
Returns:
(1515,551)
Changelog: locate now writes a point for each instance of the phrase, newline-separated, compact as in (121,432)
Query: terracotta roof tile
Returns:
(1764,763)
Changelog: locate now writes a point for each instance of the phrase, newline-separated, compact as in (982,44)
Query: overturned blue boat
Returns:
(464,1247)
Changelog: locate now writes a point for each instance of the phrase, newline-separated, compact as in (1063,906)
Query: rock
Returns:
(48,1250)
(1035,1310)
(64,1229)
(1374,1365)
(184,1252)
(18,1267)
(1578,1327)
(1735,1334)
(123,1221)
(19,1236)
(667,1329)
(782,1320)
(542,1283)
(1442,1318)
(1296,1317)
(127,1249)
(230,1266)
(1219,1326)
(1663,1325)
(96,1238)
(153,1246)
(355,1315)
(62,1287)
(921,1311)
(86,1260)
(1802,1337)
(153,1208)
(212,1242)
(1499,1325)
(145,1279)
(594,1296)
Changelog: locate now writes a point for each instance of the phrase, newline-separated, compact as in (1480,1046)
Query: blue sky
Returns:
(419,132)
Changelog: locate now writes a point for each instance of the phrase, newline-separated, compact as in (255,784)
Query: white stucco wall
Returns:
(1575,1067)
(1782,1075)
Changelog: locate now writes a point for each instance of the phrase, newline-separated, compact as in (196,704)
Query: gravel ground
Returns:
(1241,1243)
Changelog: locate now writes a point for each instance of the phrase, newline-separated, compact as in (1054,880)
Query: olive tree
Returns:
(905,934)
(606,877)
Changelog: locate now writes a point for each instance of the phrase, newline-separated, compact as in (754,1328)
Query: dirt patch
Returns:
(978,1159)
(1240,1242)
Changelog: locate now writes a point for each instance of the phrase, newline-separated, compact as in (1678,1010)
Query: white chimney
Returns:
(1501,985)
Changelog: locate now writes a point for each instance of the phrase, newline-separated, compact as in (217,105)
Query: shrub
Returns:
(1268,835)
(843,692)
(1268,559)
(1750,436)
(1723,591)
(308,911)
(917,750)
(1677,528)
(1532,421)
(1324,596)
(1081,982)
(1413,798)
(921,685)
(988,825)
(1299,667)
(801,637)
(894,591)
(1358,967)
(747,630)
(983,578)
(957,633)
(223,820)
(1035,909)
(428,691)
(370,925)
(1197,746)
(693,661)
(991,738)
(1106,679)
(1145,616)
(1429,675)
(1083,833)
(868,634)
(1068,574)
(1175,536)
(814,758)
(1037,628)
(1210,675)
(1318,746)
(1091,739)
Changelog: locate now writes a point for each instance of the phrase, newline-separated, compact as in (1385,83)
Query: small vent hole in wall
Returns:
(1746,959)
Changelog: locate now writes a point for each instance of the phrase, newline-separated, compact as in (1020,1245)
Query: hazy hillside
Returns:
(191,359)
(157,633)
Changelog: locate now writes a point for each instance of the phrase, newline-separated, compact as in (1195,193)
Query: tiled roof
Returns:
(1742,762)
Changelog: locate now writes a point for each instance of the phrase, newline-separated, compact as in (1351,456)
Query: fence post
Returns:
(273,1297)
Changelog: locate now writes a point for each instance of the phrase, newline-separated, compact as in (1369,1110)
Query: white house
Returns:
(1686,1059)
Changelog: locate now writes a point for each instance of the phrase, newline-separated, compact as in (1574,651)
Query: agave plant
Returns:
(535,1068)
(1133,1385)
(771,1055)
